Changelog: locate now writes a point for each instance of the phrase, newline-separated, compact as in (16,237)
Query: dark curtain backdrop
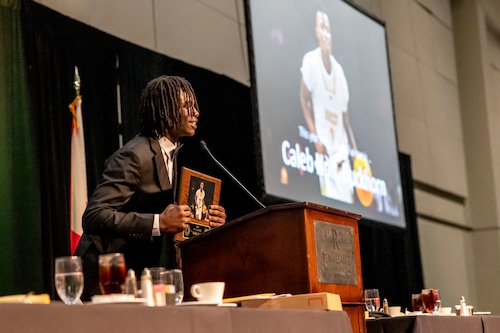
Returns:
(55,44)
(20,259)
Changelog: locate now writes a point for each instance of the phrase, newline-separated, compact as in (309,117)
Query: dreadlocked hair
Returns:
(160,106)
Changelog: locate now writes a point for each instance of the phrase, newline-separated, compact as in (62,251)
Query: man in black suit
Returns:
(133,209)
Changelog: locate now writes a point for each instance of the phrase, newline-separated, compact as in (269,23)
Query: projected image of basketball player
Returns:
(324,98)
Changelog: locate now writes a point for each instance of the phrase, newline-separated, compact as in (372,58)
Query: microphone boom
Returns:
(204,146)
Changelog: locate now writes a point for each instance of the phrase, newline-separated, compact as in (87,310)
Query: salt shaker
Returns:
(386,306)
(463,307)
(147,287)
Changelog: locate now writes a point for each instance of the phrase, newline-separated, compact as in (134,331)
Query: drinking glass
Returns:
(372,300)
(416,302)
(175,283)
(69,278)
(112,273)
(431,300)
(160,285)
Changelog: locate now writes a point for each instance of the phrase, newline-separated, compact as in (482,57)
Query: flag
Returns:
(78,185)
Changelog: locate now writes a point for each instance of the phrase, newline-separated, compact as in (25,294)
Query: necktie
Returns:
(170,167)
(169,164)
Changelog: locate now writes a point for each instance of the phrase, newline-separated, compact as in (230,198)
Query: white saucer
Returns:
(140,301)
(228,305)
(116,299)
(197,303)
(416,313)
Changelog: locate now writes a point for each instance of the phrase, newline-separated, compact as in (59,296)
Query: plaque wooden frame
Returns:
(190,183)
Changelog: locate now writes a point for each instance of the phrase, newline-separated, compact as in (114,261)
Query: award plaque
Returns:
(198,191)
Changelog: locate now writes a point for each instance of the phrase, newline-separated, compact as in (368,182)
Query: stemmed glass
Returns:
(372,300)
(69,279)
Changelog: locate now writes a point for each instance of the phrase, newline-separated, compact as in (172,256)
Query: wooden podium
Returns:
(294,248)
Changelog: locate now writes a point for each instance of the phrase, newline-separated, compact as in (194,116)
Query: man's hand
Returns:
(175,218)
(216,215)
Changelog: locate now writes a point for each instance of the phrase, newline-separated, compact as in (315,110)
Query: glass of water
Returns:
(175,284)
(69,278)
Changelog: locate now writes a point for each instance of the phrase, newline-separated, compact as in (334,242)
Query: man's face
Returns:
(323,32)
(189,118)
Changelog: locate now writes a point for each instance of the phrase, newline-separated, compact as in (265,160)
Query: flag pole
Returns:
(78,180)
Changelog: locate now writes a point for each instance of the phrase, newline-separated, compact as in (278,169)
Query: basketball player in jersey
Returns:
(324,97)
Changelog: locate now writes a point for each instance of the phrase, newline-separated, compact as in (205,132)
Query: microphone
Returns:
(204,146)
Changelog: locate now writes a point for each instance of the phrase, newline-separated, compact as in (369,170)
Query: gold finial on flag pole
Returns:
(76,82)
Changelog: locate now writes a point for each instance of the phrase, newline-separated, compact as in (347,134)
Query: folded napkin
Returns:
(26,298)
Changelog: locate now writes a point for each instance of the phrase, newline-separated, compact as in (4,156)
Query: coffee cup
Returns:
(394,311)
(208,292)
(445,311)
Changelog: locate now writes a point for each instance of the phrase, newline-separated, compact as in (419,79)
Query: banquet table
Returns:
(434,324)
(58,317)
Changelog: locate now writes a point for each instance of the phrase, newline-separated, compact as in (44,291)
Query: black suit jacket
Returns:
(119,216)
